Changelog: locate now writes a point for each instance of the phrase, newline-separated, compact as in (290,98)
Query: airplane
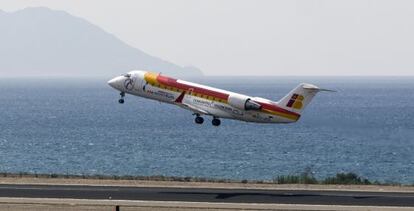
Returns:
(218,103)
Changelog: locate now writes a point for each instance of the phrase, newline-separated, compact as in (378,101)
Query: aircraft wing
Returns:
(195,109)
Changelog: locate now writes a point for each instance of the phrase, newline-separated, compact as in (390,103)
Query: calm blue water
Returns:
(78,127)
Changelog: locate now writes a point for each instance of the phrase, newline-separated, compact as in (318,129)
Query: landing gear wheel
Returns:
(199,120)
(216,122)
(121,101)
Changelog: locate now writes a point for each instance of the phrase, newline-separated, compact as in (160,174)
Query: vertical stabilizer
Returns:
(299,97)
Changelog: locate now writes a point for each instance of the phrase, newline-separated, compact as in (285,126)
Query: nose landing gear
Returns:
(121,101)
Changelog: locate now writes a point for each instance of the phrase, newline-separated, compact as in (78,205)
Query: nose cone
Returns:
(116,82)
(112,83)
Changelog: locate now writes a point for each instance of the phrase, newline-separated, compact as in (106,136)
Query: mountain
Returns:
(41,41)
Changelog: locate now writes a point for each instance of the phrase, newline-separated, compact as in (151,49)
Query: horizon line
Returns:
(201,76)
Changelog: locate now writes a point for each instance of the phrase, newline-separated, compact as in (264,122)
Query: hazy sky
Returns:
(257,37)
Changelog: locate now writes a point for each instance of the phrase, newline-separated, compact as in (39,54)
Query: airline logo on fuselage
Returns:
(160,93)
(296,101)
(129,84)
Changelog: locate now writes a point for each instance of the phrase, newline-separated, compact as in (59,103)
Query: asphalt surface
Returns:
(210,195)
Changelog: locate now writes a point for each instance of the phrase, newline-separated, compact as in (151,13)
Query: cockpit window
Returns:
(127,75)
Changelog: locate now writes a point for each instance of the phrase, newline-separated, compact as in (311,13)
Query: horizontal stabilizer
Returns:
(315,88)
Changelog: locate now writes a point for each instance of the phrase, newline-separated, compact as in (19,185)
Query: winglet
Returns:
(180,98)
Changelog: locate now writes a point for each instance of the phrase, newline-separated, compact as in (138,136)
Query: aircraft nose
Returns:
(112,82)
(115,82)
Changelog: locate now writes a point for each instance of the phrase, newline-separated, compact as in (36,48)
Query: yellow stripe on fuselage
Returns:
(287,116)
(151,78)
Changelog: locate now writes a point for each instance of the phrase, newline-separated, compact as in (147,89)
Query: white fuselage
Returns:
(200,99)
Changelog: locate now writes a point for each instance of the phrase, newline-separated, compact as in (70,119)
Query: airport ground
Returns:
(28,193)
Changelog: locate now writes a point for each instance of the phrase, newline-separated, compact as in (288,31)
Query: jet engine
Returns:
(243,102)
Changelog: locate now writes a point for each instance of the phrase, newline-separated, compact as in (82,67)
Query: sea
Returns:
(77,126)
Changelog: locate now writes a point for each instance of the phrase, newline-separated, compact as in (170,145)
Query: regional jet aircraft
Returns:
(218,103)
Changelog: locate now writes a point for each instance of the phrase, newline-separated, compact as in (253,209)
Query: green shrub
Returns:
(346,179)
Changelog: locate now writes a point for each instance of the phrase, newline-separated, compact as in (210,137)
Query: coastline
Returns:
(187,182)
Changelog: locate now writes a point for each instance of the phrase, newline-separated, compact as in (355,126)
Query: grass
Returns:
(339,179)
(347,179)
(305,178)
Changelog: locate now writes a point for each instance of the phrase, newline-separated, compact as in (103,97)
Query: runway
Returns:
(311,197)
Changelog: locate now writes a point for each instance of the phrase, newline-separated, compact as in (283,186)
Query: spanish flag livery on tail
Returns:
(300,97)
(204,100)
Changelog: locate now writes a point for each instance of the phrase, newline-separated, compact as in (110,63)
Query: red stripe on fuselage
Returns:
(273,107)
(167,81)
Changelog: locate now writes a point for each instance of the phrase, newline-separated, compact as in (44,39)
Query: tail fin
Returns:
(299,97)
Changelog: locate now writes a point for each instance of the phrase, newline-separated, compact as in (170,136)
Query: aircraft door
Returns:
(138,83)
(190,93)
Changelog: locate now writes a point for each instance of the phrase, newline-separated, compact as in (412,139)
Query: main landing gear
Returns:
(121,101)
(215,121)
(200,120)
